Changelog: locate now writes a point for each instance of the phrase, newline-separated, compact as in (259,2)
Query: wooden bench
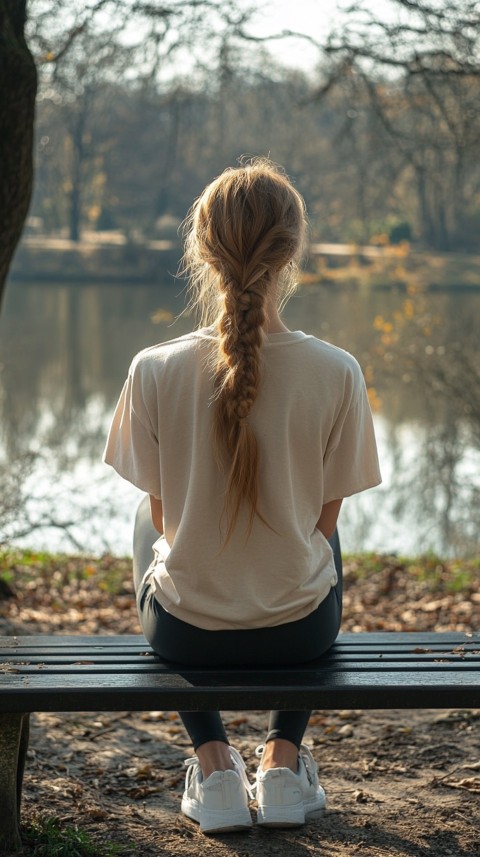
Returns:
(76,673)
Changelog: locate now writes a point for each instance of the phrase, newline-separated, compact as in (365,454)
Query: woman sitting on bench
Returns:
(246,436)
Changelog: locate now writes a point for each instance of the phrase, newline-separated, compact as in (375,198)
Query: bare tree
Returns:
(153,32)
(78,90)
(418,37)
(419,68)
(18,86)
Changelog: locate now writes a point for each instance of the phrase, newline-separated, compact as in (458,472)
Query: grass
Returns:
(437,574)
(107,573)
(47,837)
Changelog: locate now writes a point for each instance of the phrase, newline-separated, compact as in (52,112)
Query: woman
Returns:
(246,436)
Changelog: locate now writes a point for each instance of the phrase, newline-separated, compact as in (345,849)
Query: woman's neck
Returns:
(273,322)
(275,326)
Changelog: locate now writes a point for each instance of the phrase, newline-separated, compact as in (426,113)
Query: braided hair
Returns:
(244,236)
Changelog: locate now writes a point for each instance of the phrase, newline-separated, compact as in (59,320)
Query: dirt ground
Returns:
(403,783)
(397,783)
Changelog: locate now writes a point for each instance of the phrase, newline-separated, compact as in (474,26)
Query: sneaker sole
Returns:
(290,816)
(223,821)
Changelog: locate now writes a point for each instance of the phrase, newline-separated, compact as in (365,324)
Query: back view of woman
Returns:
(246,436)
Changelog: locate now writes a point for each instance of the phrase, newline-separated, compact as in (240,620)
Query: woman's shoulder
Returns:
(333,357)
(163,352)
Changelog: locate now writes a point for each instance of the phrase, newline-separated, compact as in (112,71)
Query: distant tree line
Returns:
(382,138)
(370,159)
(382,141)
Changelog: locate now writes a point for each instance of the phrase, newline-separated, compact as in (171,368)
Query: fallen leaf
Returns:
(459,650)
(359,796)
(472,784)
(96,813)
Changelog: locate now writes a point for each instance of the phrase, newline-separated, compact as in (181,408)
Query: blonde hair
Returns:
(243,238)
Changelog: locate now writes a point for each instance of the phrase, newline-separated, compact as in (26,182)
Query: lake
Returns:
(65,352)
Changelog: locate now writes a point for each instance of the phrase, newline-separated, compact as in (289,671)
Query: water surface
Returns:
(65,352)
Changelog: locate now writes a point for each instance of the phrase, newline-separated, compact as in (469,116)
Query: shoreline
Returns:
(114,260)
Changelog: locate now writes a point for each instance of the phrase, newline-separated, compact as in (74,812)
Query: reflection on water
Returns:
(64,354)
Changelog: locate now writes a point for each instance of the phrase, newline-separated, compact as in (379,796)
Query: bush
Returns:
(402,231)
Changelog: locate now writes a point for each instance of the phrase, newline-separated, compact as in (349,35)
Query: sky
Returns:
(271,17)
(313,17)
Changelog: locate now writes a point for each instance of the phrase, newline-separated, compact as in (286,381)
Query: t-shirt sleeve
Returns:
(132,444)
(351,460)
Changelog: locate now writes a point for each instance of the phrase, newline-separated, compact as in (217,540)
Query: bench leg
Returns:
(14,730)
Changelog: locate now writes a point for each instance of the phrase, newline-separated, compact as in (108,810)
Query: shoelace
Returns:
(190,766)
(311,766)
(239,767)
(241,770)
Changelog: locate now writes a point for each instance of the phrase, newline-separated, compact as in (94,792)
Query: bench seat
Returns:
(121,673)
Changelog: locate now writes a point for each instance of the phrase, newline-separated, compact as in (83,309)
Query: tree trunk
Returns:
(78,157)
(18,87)
(74,213)
(427,226)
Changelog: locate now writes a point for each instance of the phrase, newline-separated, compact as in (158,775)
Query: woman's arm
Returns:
(156,511)
(328,519)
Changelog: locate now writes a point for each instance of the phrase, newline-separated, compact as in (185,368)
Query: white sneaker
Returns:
(286,799)
(219,803)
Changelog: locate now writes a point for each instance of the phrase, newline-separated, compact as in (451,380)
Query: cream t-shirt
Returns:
(316,443)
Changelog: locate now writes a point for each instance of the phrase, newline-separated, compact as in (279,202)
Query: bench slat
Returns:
(152,667)
(174,692)
(124,641)
(343,649)
(63,655)
(337,659)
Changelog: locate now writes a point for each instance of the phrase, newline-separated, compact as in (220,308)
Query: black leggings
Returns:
(178,642)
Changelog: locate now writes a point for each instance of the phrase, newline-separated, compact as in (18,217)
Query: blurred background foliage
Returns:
(139,105)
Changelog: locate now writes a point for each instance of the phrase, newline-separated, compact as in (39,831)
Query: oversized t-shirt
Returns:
(316,443)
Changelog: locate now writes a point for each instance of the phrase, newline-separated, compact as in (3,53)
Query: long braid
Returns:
(246,228)
(237,380)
